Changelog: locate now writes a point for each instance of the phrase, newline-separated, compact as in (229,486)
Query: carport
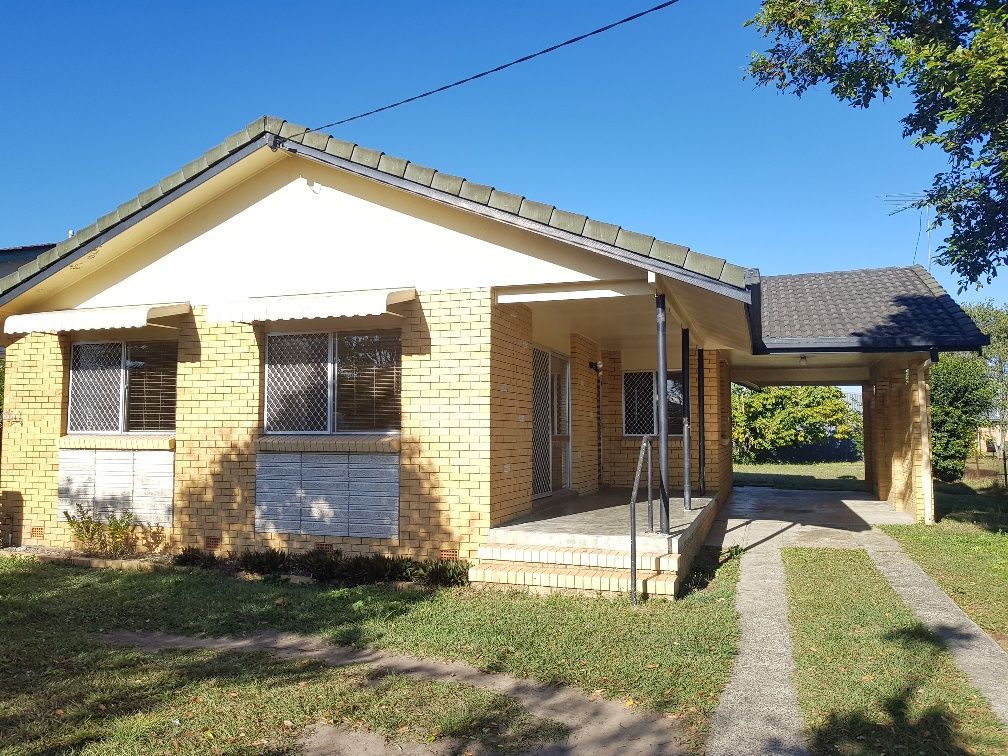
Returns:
(880,329)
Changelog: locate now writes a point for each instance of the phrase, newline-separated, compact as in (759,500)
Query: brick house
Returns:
(297,341)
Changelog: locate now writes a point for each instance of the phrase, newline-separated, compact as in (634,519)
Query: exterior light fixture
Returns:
(803,360)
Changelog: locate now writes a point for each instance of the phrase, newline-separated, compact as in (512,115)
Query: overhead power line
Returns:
(497,69)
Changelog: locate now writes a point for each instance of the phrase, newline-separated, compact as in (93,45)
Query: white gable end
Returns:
(300,228)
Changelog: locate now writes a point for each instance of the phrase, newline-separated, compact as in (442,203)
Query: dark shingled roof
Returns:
(12,258)
(543,215)
(879,309)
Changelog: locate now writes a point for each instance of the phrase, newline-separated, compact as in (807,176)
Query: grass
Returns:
(871,679)
(63,691)
(826,476)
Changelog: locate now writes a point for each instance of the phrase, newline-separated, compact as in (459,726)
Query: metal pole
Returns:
(633,550)
(700,422)
(663,471)
(650,491)
(686,439)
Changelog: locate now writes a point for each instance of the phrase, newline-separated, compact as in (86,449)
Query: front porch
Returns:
(582,543)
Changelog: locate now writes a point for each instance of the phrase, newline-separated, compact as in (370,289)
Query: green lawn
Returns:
(832,476)
(63,691)
(871,679)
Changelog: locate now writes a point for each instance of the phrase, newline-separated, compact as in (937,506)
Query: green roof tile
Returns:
(509,203)
(365,156)
(675,254)
(339,148)
(634,242)
(703,264)
(476,192)
(316,140)
(392,165)
(734,275)
(566,221)
(419,174)
(536,211)
(445,182)
(599,231)
(515,204)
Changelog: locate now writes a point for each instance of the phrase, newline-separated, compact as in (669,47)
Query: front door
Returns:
(550,422)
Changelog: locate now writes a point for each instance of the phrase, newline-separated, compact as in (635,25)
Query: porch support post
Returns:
(686,438)
(702,450)
(663,470)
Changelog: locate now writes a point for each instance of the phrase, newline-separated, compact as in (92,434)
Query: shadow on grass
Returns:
(987,509)
(934,731)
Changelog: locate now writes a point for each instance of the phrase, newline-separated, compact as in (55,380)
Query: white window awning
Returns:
(94,318)
(336,304)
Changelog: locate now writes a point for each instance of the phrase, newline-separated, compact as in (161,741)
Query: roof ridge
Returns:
(643,245)
(844,270)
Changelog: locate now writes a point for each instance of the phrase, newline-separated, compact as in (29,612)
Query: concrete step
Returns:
(656,561)
(553,578)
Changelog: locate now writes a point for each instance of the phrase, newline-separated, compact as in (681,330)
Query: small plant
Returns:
(442,573)
(264,562)
(87,529)
(119,535)
(319,565)
(192,556)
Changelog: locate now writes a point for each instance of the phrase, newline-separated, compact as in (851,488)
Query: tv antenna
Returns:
(902,201)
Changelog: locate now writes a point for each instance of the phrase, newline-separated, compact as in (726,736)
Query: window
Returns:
(118,387)
(333,383)
(640,403)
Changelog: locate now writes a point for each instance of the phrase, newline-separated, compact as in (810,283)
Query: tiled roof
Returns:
(879,308)
(12,258)
(545,215)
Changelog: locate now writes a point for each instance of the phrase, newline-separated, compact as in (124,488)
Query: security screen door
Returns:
(550,422)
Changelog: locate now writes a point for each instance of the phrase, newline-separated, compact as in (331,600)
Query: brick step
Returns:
(578,557)
(551,578)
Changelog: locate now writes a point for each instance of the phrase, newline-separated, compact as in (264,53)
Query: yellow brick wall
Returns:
(620,453)
(584,414)
(896,440)
(34,385)
(510,412)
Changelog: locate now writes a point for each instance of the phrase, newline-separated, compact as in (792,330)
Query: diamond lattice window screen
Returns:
(368,387)
(638,404)
(151,375)
(297,383)
(95,388)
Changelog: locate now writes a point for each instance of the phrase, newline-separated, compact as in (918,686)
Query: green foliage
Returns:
(782,419)
(953,57)
(87,530)
(962,395)
(113,538)
(993,321)
(351,571)
(193,556)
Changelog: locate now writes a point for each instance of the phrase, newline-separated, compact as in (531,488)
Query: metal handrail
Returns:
(645,448)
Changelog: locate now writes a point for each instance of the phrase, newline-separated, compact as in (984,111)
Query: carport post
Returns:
(660,379)
(687,494)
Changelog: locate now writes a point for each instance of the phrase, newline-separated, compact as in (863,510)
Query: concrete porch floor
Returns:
(600,520)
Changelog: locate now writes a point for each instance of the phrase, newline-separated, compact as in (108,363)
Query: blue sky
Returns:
(651,126)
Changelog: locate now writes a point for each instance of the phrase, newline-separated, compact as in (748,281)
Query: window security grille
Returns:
(297,383)
(640,403)
(117,387)
(324,383)
(95,388)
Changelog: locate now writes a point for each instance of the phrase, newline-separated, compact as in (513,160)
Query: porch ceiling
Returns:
(818,368)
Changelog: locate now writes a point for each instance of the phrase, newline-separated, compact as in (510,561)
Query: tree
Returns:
(962,394)
(953,57)
(789,421)
(993,321)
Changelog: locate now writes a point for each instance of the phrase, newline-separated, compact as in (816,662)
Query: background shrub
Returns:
(192,556)
(265,561)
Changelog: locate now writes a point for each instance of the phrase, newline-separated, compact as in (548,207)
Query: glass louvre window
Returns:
(640,403)
(298,383)
(333,383)
(368,381)
(117,387)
